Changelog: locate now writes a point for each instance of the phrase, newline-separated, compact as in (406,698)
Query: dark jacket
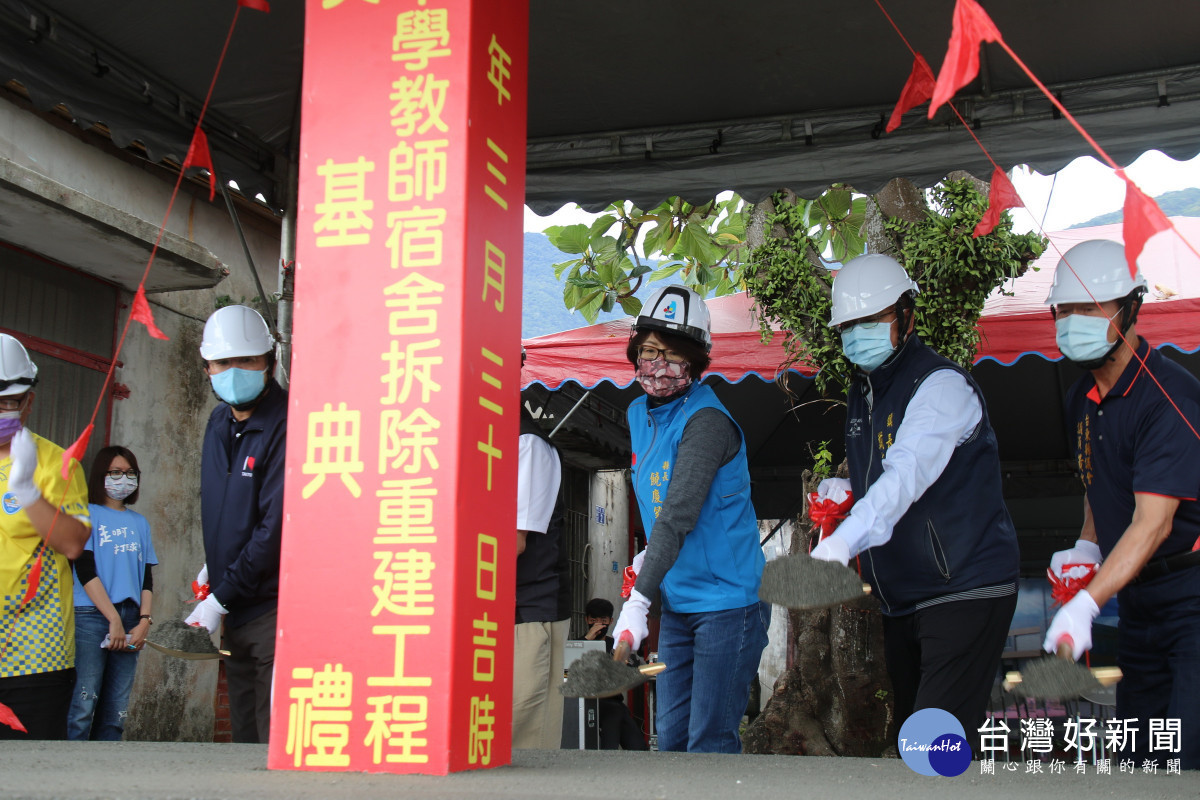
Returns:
(543,582)
(241,505)
(957,540)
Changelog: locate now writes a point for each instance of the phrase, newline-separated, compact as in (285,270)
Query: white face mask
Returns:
(120,488)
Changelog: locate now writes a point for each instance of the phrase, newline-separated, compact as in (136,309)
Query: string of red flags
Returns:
(1001,197)
(972,27)
(199,156)
(917,89)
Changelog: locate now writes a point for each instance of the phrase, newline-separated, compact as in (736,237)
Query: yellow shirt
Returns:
(38,636)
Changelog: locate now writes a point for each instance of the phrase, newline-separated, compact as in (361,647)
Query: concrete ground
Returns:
(187,770)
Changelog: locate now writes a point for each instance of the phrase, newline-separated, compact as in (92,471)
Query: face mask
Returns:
(10,423)
(120,488)
(662,378)
(1083,339)
(238,386)
(868,347)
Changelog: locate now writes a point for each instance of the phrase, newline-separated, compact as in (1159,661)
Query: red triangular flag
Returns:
(141,313)
(257,5)
(35,577)
(917,90)
(7,717)
(972,26)
(76,451)
(1001,196)
(1143,219)
(199,156)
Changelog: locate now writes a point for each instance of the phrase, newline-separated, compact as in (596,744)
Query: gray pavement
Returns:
(188,770)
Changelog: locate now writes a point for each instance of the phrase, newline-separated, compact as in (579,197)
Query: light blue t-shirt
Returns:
(121,543)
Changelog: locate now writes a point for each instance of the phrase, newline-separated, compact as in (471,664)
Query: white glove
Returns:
(835,489)
(633,620)
(207,613)
(1084,552)
(1074,621)
(637,561)
(24,463)
(202,575)
(832,548)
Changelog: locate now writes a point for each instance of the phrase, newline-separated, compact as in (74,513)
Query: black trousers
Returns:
(947,656)
(249,669)
(40,702)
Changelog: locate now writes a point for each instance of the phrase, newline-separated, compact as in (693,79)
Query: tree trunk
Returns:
(835,697)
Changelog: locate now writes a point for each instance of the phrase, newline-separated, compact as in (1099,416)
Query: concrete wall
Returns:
(609,541)
(163,419)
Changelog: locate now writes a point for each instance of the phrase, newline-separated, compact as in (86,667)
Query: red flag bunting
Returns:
(35,577)
(1143,219)
(198,155)
(7,717)
(1003,195)
(141,313)
(972,26)
(257,5)
(76,451)
(917,90)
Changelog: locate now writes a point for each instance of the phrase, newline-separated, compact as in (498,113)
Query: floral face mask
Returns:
(662,378)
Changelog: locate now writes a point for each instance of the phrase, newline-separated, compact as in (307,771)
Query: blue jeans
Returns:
(103,678)
(1158,650)
(711,658)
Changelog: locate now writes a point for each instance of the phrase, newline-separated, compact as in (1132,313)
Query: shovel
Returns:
(596,675)
(1059,677)
(180,640)
(187,654)
(801,582)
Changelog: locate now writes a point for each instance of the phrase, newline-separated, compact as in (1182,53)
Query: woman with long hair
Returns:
(113,599)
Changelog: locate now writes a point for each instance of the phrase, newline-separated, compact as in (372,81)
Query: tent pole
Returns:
(567,416)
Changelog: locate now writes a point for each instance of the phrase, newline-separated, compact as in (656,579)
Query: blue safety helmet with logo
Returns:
(676,309)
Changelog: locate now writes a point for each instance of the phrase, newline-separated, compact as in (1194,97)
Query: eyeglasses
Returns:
(13,403)
(117,473)
(868,324)
(648,353)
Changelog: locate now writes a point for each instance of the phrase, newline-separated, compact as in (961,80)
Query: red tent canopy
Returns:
(1013,325)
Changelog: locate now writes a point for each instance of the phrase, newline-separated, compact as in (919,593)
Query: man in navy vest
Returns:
(241,510)
(541,624)
(1134,417)
(938,545)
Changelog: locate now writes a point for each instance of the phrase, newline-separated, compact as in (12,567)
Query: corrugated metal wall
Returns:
(67,308)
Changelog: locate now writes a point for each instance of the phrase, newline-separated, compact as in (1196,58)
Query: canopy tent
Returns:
(1015,322)
(641,99)
(1021,373)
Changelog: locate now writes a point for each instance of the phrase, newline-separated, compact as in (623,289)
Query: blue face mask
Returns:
(1082,339)
(239,386)
(868,347)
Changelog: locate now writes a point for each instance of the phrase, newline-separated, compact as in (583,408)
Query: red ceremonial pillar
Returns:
(394,650)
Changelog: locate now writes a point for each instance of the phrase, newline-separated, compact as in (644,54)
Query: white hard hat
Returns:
(677,309)
(17,373)
(1097,266)
(867,285)
(235,331)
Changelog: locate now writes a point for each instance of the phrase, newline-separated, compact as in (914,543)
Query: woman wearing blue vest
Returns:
(702,558)
(938,545)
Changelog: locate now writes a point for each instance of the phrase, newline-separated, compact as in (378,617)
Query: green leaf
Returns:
(569,238)
(601,225)
(666,271)
(562,266)
(630,305)
(589,305)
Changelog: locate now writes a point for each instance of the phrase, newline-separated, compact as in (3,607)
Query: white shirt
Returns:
(538,474)
(941,415)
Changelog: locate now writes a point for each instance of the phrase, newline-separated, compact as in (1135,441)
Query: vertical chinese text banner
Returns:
(394,651)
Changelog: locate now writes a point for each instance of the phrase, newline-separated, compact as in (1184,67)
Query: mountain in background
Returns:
(543,310)
(1183,203)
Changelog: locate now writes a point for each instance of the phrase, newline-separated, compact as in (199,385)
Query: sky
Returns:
(1083,189)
